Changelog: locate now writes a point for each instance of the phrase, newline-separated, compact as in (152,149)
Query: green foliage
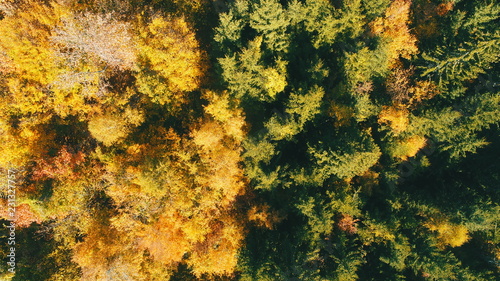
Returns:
(350,160)
(300,110)
(269,19)
(361,66)
(451,65)
(457,131)
(247,77)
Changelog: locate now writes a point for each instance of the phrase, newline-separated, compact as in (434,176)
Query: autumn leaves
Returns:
(268,152)
(145,196)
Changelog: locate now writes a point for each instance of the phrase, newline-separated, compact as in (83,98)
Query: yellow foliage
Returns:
(38,82)
(409,147)
(25,43)
(170,59)
(375,233)
(275,82)
(108,129)
(114,125)
(6,64)
(187,194)
(229,116)
(103,254)
(393,27)
(219,106)
(23,144)
(448,234)
(394,116)
(15,152)
(208,136)
(220,150)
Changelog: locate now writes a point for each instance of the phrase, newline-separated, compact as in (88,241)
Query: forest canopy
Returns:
(250,140)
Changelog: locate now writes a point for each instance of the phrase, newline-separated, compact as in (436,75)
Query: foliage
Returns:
(251,139)
(170,60)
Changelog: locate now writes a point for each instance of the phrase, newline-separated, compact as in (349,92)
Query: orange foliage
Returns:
(104,253)
(263,216)
(402,91)
(341,113)
(398,83)
(165,239)
(218,253)
(393,27)
(219,147)
(423,90)
(347,224)
(187,198)
(444,8)
(426,17)
(426,24)
(24,214)
(61,166)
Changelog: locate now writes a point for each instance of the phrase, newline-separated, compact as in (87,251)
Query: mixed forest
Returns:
(251,139)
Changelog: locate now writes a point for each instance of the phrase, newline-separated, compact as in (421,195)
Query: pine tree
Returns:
(452,67)
(345,162)
(247,76)
(270,20)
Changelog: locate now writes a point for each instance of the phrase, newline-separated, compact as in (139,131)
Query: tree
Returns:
(457,131)
(393,27)
(93,38)
(248,78)
(108,129)
(27,45)
(170,60)
(353,160)
(301,108)
(183,194)
(477,51)
(448,234)
(270,19)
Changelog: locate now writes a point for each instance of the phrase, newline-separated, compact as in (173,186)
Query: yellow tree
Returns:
(26,44)
(23,143)
(107,254)
(183,189)
(396,117)
(447,233)
(170,60)
(108,128)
